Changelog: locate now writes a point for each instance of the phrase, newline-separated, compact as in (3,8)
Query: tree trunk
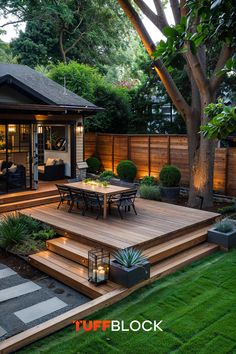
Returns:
(201,159)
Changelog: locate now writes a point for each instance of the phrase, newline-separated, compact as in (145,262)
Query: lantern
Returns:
(98,266)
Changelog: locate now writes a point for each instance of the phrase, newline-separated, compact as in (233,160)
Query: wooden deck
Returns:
(155,223)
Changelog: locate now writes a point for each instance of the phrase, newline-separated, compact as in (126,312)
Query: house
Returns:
(41,122)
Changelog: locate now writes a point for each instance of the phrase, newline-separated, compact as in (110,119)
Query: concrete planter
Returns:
(225,240)
(169,194)
(129,276)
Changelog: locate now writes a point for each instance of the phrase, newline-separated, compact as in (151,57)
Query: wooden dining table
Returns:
(101,190)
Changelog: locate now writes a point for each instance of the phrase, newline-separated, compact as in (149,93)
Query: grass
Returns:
(197,306)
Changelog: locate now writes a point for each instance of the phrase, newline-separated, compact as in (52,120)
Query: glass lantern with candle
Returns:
(98,266)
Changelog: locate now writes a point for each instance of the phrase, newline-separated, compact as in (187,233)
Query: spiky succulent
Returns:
(129,257)
(225,225)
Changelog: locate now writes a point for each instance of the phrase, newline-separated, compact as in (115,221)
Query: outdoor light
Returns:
(12,128)
(40,129)
(80,128)
(98,266)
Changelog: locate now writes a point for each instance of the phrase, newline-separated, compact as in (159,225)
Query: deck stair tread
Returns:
(70,249)
(28,195)
(178,261)
(28,203)
(174,246)
(70,273)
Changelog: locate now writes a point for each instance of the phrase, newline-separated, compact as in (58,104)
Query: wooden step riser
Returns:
(85,240)
(68,280)
(28,196)
(28,204)
(176,266)
(67,254)
(177,249)
(175,234)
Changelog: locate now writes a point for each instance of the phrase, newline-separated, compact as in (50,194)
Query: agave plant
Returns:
(225,225)
(129,257)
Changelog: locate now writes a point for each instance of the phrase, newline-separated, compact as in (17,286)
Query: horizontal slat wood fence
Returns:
(151,152)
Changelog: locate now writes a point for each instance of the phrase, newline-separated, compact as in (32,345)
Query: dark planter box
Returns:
(226,240)
(129,276)
(169,194)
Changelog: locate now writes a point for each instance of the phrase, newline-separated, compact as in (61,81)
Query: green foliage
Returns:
(44,234)
(107,175)
(126,170)
(225,226)
(93,164)
(12,231)
(227,209)
(6,55)
(88,83)
(23,234)
(149,192)
(170,176)
(129,257)
(222,121)
(92,32)
(148,180)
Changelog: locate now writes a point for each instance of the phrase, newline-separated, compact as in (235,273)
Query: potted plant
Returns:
(223,233)
(170,177)
(129,267)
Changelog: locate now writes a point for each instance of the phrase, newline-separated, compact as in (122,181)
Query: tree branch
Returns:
(176,10)
(155,19)
(197,71)
(169,84)
(216,78)
(11,23)
(161,13)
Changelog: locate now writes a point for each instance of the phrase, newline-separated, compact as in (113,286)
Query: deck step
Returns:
(69,273)
(70,249)
(28,203)
(182,259)
(175,246)
(29,195)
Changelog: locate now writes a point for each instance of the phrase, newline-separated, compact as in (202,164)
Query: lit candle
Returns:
(101,274)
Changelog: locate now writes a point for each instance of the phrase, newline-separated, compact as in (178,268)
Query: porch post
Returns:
(35,156)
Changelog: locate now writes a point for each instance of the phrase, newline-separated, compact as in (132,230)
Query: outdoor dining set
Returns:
(89,197)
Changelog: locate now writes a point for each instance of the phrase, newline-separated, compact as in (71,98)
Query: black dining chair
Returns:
(64,193)
(94,201)
(77,197)
(126,201)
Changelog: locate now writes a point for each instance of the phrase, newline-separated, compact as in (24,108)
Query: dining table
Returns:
(105,191)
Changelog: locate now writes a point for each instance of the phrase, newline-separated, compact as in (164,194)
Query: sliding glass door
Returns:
(15,157)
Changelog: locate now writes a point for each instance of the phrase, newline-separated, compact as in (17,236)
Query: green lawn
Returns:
(197,306)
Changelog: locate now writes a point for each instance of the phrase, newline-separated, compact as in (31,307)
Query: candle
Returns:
(101,274)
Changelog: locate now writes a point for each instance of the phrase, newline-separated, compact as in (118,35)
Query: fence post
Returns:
(112,152)
(168,150)
(149,155)
(226,170)
(128,148)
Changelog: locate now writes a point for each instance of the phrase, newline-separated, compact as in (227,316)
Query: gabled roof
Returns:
(41,87)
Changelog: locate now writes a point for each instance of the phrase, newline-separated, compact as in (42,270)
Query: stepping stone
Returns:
(39,310)
(6,272)
(2,332)
(18,290)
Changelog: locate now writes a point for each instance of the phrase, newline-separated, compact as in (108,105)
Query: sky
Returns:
(156,36)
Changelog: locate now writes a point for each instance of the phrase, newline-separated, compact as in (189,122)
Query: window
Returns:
(56,138)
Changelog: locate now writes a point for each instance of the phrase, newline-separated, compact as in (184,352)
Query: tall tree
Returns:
(63,30)
(199,26)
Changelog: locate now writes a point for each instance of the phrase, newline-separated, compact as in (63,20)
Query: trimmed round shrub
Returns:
(93,164)
(170,176)
(107,175)
(149,192)
(148,181)
(126,170)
